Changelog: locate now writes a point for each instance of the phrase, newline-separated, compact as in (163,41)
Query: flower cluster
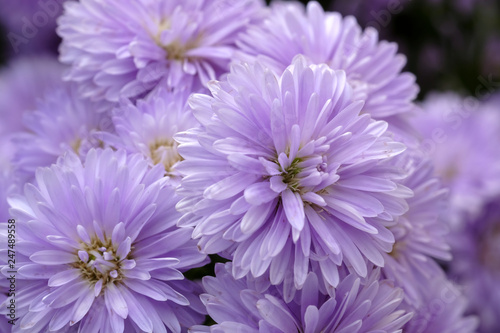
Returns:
(125,48)
(224,166)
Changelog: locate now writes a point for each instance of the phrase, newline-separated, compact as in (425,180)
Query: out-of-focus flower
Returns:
(62,121)
(97,249)
(237,306)
(476,265)
(461,137)
(149,128)
(285,172)
(125,48)
(22,83)
(420,235)
(372,68)
(490,61)
(442,310)
(31,25)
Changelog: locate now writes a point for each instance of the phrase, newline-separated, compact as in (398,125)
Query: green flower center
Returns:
(290,175)
(99,262)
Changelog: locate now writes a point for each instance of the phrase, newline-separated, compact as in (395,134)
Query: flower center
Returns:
(449,173)
(75,145)
(305,174)
(99,262)
(176,50)
(165,152)
(397,249)
(290,175)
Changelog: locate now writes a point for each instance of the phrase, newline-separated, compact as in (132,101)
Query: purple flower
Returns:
(372,68)
(442,310)
(476,264)
(285,173)
(63,121)
(22,83)
(420,234)
(125,48)
(355,307)
(97,249)
(461,136)
(149,128)
(31,24)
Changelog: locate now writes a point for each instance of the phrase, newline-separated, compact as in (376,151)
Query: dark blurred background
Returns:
(450,44)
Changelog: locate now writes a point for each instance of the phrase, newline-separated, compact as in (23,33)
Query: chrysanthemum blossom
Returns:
(236,306)
(461,137)
(62,121)
(373,68)
(149,126)
(420,235)
(443,308)
(98,249)
(286,172)
(124,48)
(476,264)
(22,82)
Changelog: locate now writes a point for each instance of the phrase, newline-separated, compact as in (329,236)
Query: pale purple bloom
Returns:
(372,68)
(476,264)
(285,173)
(62,121)
(461,137)
(125,48)
(149,127)
(443,308)
(98,249)
(22,82)
(420,235)
(357,306)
